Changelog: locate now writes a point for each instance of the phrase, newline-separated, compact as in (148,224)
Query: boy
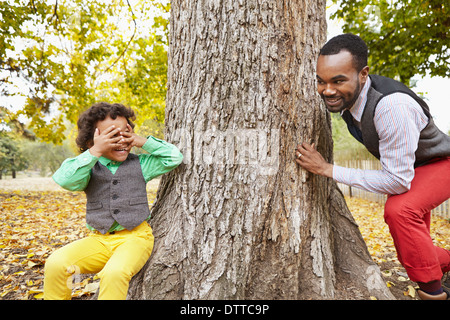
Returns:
(117,210)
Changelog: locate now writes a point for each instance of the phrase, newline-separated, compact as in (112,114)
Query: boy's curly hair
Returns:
(98,112)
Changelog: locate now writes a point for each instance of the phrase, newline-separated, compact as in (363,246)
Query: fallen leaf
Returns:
(387,273)
(410,292)
(39,296)
(390,284)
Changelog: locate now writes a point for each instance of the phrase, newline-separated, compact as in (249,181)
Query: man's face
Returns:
(338,82)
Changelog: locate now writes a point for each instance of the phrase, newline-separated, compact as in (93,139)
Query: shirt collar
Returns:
(106,162)
(357,109)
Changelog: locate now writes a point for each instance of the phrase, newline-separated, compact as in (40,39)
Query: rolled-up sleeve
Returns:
(398,119)
(162,158)
(74,173)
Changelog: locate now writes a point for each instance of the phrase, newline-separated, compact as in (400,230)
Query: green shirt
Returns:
(75,173)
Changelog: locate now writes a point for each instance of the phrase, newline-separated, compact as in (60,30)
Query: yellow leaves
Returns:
(86,287)
(369,216)
(32,226)
(370,219)
(389,284)
(410,292)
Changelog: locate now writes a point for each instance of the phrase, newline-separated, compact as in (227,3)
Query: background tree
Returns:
(12,158)
(405,37)
(72,53)
(239,219)
(45,157)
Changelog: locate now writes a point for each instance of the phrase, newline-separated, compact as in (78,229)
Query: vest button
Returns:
(115,182)
(115,197)
(116,211)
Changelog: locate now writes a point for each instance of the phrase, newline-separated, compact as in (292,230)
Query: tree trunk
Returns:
(239,219)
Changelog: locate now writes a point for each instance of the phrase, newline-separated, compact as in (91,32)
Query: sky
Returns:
(434,89)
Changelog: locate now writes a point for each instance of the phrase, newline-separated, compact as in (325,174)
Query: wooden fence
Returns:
(443,210)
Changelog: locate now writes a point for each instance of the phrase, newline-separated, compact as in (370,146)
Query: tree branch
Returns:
(128,44)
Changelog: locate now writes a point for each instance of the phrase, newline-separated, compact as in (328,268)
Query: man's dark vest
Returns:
(433,143)
(120,197)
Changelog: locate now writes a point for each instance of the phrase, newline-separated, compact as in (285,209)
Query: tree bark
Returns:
(239,219)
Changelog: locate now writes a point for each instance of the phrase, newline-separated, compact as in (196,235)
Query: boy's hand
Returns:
(132,139)
(105,141)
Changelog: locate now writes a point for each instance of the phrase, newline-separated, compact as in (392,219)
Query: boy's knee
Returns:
(116,272)
(54,262)
(57,262)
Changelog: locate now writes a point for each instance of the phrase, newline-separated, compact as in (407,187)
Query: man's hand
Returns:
(310,159)
(105,141)
(132,139)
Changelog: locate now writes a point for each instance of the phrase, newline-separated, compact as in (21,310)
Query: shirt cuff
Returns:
(86,157)
(152,144)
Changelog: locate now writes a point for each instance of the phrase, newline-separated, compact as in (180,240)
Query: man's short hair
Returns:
(348,42)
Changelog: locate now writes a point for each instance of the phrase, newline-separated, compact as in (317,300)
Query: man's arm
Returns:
(398,120)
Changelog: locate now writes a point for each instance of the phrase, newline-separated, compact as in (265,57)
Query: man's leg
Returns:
(408,217)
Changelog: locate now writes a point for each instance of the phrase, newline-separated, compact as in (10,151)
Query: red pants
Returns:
(408,217)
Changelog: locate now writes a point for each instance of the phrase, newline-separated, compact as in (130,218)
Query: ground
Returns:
(37,217)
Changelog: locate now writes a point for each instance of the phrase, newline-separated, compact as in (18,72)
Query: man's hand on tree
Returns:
(310,159)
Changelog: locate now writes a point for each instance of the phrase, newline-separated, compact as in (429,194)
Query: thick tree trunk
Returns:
(239,219)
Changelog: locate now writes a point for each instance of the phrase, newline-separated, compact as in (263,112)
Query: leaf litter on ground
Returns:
(370,218)
(33,224)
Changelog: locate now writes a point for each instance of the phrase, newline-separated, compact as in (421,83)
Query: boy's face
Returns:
(120,153)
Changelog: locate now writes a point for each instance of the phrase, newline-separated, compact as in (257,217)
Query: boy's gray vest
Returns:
(433,143)
(120,197)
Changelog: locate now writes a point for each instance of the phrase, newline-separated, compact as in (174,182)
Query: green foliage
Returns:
(73,53)
(45,157)
(405,37)
(345,146)
(11,156)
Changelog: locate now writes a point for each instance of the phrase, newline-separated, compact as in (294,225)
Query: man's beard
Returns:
(346,104)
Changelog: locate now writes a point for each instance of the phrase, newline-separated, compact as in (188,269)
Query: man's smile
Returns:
(332,101)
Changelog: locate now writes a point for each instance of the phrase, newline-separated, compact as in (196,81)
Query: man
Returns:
(396,127)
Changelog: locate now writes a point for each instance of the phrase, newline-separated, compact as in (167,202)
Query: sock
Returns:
(433,287)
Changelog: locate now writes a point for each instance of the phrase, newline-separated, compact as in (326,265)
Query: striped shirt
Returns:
(398,119)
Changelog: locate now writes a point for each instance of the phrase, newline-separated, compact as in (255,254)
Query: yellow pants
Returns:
(115,257)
